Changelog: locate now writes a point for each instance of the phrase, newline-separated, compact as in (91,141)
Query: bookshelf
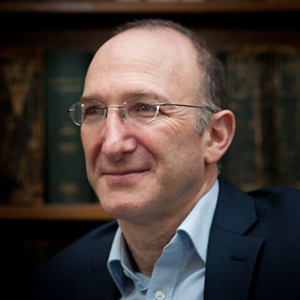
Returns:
(54,212)
(148,7)
(34,231)
(85,25)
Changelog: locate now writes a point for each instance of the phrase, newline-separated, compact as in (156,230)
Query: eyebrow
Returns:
(127,95)
(144,94)
(92,97)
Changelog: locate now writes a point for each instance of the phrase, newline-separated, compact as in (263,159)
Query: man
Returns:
(154,127)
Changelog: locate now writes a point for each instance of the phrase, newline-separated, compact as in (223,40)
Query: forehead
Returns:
(159,42)
(164,47)
(162,57)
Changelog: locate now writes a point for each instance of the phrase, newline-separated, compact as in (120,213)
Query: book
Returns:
(22,125)
(249,161)
(287,105)
(65,168)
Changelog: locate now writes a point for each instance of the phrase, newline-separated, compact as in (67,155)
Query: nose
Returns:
(118,138)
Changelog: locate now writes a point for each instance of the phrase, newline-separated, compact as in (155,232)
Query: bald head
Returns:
(138,54)
(165,49)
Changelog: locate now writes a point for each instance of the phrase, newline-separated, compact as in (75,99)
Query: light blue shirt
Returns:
(180,271)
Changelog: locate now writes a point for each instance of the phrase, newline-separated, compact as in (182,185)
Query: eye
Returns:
(143,108)
(91,111)
(146,107)
(94,110)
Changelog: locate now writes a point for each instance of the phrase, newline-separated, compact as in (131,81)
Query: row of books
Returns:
(264,92)
(41,155)
(153,1)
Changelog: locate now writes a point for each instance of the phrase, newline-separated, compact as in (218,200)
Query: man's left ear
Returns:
(220,134)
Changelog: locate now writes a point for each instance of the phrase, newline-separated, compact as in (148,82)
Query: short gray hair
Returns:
(212,87)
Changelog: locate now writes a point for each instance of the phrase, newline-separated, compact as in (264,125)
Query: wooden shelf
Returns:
(54,212)
(115,7)
(86,24)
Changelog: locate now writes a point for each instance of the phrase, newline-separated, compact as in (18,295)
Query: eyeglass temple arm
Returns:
(186,105)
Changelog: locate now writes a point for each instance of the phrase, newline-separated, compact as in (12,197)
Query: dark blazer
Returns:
(253,253)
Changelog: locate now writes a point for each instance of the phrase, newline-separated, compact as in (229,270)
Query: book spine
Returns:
(247,163)
(66,173)
(22,125)
(288,115)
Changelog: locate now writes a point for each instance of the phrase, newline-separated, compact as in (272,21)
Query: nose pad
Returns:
(122,113)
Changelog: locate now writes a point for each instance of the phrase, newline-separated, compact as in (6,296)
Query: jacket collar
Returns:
(235,210)
(231,254)
(103,239)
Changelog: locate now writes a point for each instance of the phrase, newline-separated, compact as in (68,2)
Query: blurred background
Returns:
(45,49)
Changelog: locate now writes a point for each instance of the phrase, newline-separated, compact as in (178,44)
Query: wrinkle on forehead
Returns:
(132,70)
(111,66)
(158,57)
(165,49)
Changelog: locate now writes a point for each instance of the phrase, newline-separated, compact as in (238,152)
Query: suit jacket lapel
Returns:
(231,254)
(107,290)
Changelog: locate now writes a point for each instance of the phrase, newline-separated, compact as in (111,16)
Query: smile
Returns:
(123,175)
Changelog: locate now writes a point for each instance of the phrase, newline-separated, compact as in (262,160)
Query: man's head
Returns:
(212,89)
(142,172)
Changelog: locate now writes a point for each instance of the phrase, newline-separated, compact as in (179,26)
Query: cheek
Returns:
(90,146)
(185,151)
(179,136)
(174,146)
(178,127)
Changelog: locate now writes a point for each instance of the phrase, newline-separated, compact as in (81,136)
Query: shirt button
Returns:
(126,273)
(159,295)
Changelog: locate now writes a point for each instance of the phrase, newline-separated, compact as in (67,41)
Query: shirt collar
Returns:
(119,264)
(196,225)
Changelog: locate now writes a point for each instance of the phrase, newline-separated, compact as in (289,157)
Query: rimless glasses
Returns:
(137,111)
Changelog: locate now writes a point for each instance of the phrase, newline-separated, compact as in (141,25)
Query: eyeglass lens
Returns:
(134,110)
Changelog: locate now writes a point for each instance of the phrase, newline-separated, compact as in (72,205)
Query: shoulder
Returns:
(275,192)
(273,196)
(278,213)
(277,198)
(98,240)
(278,205)
(78,265)
(270,206)
(270,216)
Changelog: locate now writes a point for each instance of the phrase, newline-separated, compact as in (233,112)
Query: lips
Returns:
(123,173)
(123,178)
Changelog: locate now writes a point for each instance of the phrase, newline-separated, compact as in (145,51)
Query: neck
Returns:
(146,241)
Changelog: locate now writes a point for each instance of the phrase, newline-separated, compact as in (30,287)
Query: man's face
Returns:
(144,172)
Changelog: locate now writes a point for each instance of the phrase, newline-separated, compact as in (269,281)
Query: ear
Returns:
(220,134)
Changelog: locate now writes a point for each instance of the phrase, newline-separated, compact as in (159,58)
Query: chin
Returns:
(119,206)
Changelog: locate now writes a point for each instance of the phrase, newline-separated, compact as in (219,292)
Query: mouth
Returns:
(123,175)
